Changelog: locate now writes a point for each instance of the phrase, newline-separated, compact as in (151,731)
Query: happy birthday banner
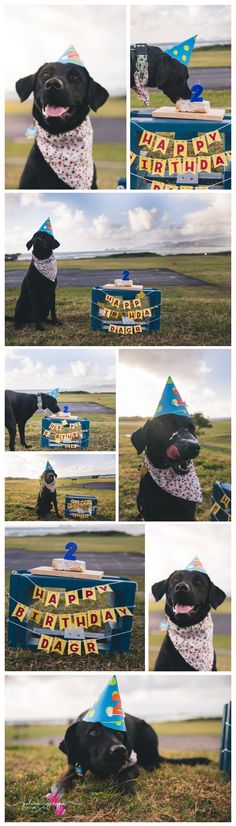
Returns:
(81,619)
(133,310)
(57,433)
(53,597)
(180,162)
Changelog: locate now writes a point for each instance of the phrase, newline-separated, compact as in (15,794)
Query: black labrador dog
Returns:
(189,598)
(164,72)
(63,96)
(19,407)
(169,441)
(38,293)
(47,497)
(113,754)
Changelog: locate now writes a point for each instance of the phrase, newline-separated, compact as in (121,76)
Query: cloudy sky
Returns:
(164,223)
(202,377)
(181,544)
(56,530)
(63,696)
(155,24)
(37,36)
(43,368)
(30,466)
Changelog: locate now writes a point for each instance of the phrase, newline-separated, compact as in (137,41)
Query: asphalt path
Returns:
(211,77)
(221,622)
(92,278)
(88,407)
(105,130)
(113,564)
(178,742)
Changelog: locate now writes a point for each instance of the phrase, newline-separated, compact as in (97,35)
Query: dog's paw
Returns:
(39,329)
(59,323)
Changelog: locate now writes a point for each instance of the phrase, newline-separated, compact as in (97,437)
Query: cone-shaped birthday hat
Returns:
(49,467)
(195,565)
(171,401)
(183,51)
(107,710)
(71,56)
(46,227)
(54,393)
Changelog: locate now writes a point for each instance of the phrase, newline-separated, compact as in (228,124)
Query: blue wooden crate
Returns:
(98,322)
(72,505)
(181,129)
(114,638)
(225,741)
(221,502)
(81,442)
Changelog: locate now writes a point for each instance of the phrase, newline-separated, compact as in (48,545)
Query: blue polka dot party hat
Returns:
(71,56)
(196,565)
(171,401)
(107,710)
(49,467)
(46,227)
(183,51)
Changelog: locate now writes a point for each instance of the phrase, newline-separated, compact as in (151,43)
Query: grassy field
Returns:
(218,99)
(102,434)
(109,157)
(199,794)
(175,727)
(205,309)
(21,496)
(212,464)
(99,542)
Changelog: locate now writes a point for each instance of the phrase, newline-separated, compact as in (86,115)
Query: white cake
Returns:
(193,106)
(125,285)
(69,565)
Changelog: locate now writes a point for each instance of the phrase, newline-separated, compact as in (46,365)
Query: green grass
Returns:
(159,607)
(21,496)
(199,794)
(205,309)
(207,726)
(219,99)
(211,56)
(212,464)
(19,659)
(102,427)
(99,542)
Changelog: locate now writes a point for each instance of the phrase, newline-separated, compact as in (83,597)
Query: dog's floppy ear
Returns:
(139,437)
(30,243)
(216,595)
(24,86)
(159,589)
(71,744)
(97,95)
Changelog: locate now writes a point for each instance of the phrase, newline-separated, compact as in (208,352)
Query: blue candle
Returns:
(196,92)
(71,549)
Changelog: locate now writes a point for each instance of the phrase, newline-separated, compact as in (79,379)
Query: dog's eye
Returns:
(93,733)
(73,76)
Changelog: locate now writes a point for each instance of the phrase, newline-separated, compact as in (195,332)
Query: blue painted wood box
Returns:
(80,507)
(179,129)
(151,300)
(221,498)
(225,741)
(73,435)
(113,637)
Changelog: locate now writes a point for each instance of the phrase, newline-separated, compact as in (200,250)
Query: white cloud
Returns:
(141,219)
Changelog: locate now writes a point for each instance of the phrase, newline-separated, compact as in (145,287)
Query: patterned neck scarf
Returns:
(195,643)
(69,154)
(140,86)
(48,268)
(51,486)
(184,487)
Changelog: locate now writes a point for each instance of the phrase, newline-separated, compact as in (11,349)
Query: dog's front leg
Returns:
(35,310)
(66,782)
(21,426)
(54,318)
(126,779)
(55,505)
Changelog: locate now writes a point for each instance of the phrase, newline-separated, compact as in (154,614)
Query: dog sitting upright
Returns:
(47,497)
(169,488)
(64,92)
(190,594)
(37,296)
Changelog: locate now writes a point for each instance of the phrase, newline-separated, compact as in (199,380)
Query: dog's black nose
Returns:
(182,586)
(117,751)
(53,83)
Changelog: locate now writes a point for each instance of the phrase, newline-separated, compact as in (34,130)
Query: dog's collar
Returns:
(78,769)
(39,402)
(194,643)
(183,487)
(69,154)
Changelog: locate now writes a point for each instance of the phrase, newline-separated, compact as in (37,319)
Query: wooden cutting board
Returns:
(170,112)
(46,571)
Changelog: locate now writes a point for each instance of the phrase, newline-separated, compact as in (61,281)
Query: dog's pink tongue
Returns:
(54,111)
(173,452)
(182,609)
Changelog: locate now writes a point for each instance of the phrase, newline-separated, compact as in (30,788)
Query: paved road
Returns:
(91,278)
(211,78)
(95,485)
(186,742)
(116,564)
(88,407)
(105,130)
(221,622)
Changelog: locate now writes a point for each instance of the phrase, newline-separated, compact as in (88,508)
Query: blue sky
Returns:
(184,541)
(86,222)
(31,697)
(90,369)
(202,377)
(31,466)
(155,24)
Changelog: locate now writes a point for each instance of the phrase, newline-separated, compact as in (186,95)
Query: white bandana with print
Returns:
(48,267)
(69,154)
(184,487)
(195,643)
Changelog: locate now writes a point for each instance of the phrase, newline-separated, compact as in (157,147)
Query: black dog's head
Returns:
(50,403)
(43,243)
(189,596)
(63,95)
(169,441)
(49,476)
(95,747)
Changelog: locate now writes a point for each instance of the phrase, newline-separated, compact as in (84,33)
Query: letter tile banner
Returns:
(80,619)
(58,646)
(45,643)
(90,647)
(65,621)
(108,614)
(94,618)
(89,593)
(160,145)
(71,598)
(39,593)
(74,647)
(52,598)
(20,611)
(35,616)
(124,612)
(49,621)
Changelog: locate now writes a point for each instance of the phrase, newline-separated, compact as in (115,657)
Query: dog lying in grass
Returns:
(64,93)
(47,497)
(188,644)
(19,407)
